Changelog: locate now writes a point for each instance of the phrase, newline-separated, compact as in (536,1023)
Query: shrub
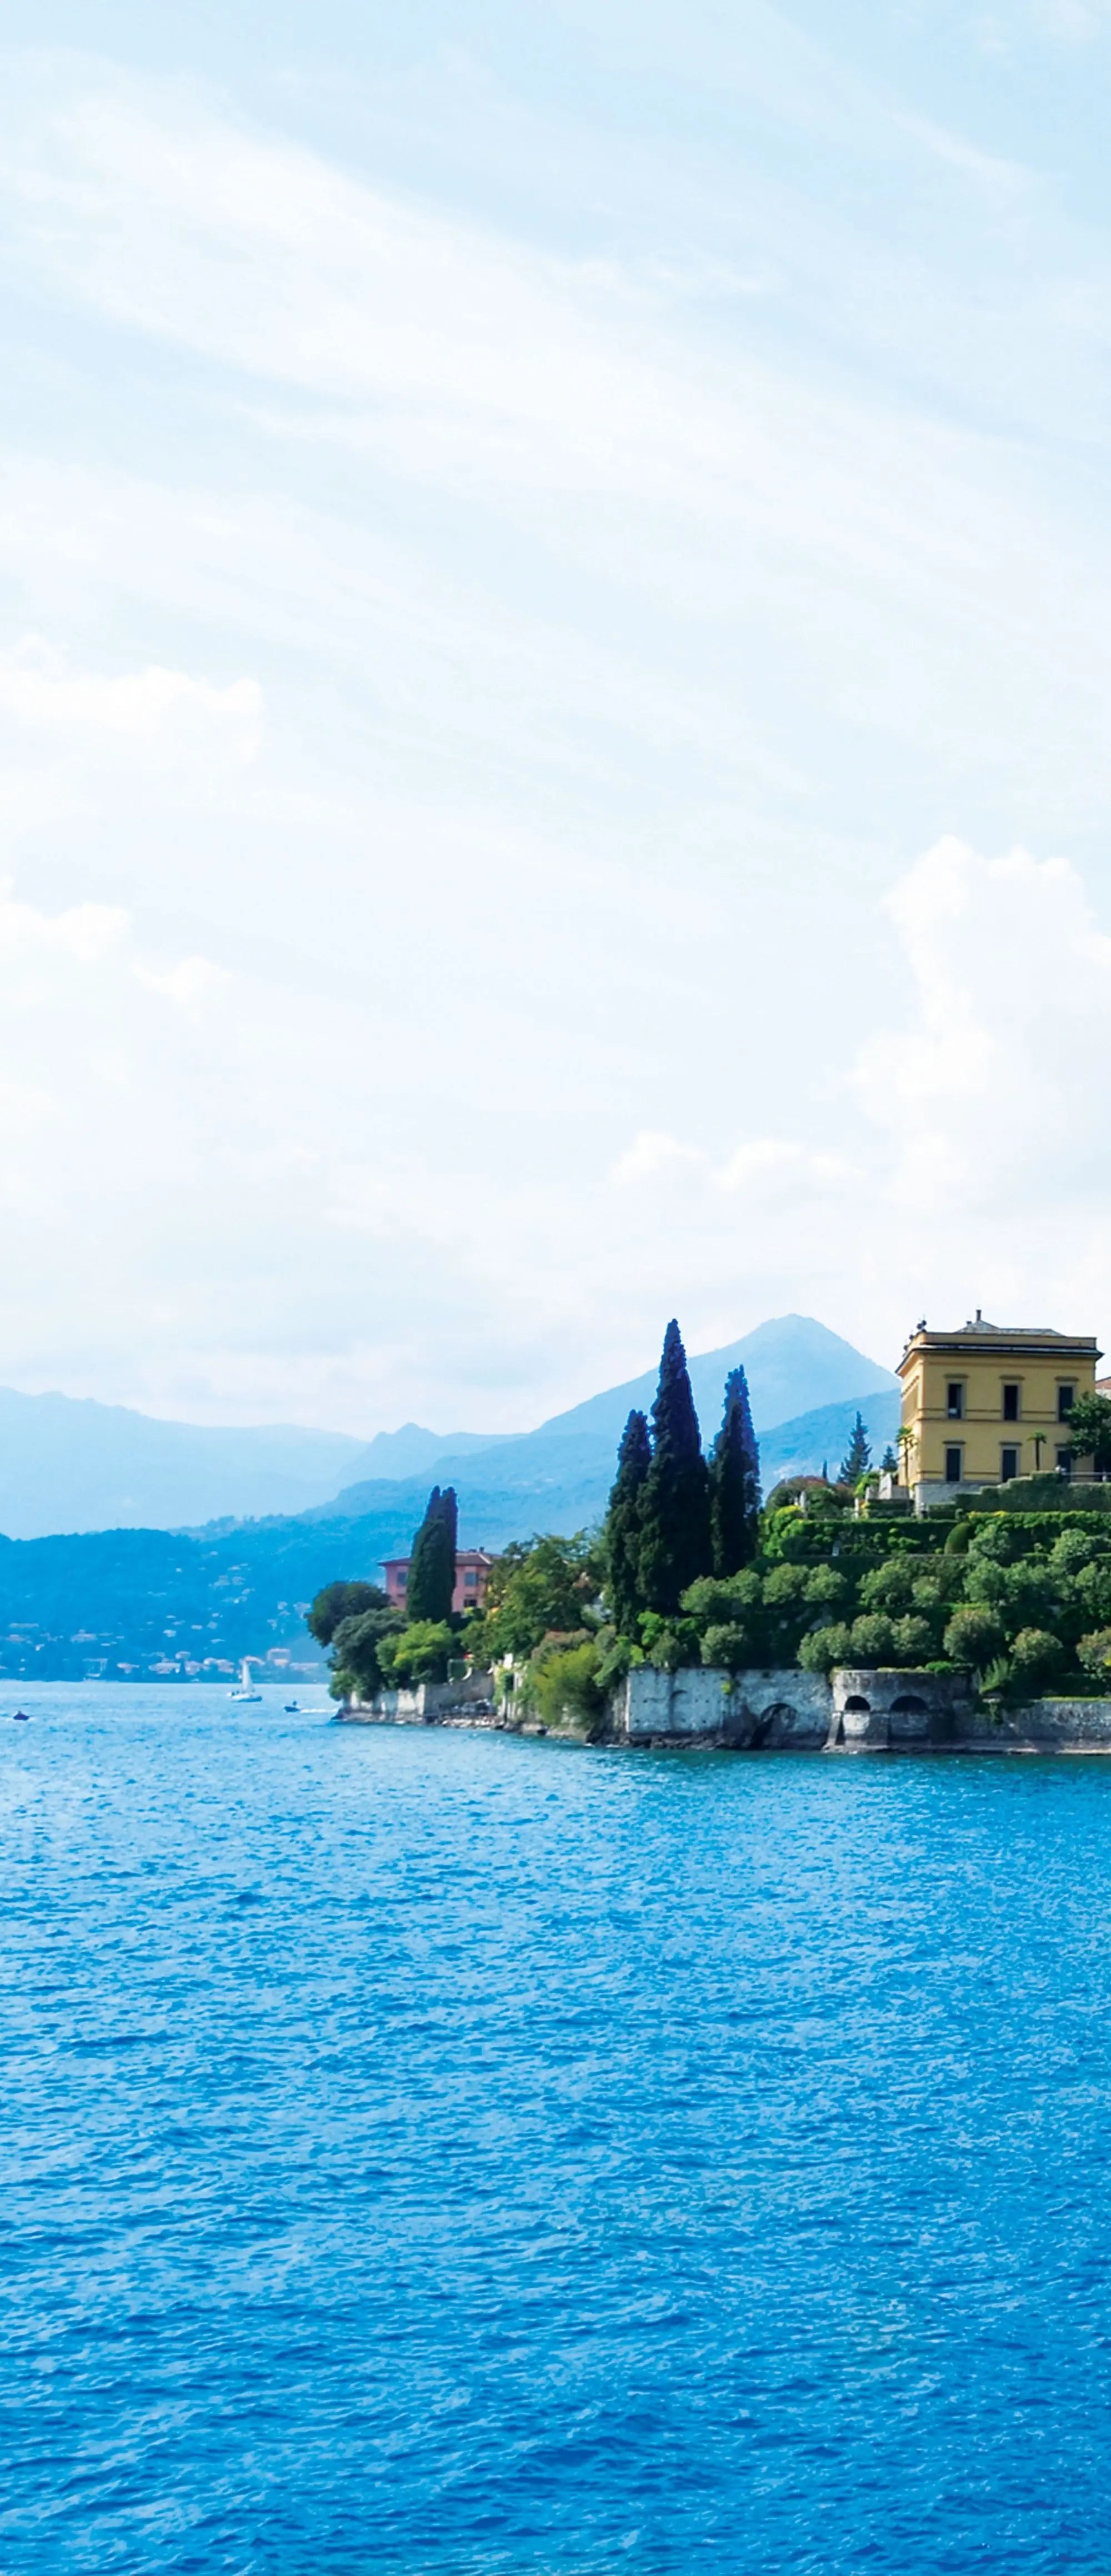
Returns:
(825,1647)
(1073,1550)
(888,1587)
(912,1640)
(785,1587)
(974,1635)
(927,1594)
(996,1539)
(616,1656)
(729,1645)
(567,1678)
(873,1639)
(1093,1654)
(986,1581)
(1034,1656)
(1092,1586)
(669,1642)
(710,1599)
(826,1589)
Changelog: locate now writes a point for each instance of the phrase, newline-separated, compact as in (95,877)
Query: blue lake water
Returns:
(442,2152)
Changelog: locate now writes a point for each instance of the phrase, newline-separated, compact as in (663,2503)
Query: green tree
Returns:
(340,1601)
(675,1530)
(825,1647)
(858,1455)
(734,1473)
(419,1654)
(1089,1427)
(624,1524)
(360,1651)
(974,1636)
(540,1587)
(432,1566)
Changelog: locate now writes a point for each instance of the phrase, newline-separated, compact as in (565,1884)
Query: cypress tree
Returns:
(623,1524)
(675,1528)
(432,1565)
(734,1481)
(858,1456)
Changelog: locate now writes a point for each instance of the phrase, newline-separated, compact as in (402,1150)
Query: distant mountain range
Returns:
(71,1466)
(148,1600)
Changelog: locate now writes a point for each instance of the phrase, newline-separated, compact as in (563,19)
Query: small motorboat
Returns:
(22,1715)
(293,1708)
(245,1688)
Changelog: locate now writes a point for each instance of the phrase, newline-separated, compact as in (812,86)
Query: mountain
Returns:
(74,1465)
(71,1464)
(820,1439)
(141,1602)
(413,1452)
(792,1364)
(568,1464)
(145,1601)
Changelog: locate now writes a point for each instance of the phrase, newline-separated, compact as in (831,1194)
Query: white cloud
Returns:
(475,682)
(38,690)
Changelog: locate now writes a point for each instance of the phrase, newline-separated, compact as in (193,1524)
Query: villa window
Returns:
(1064,1463)
(1010,1403)
(954,1400)
(1065,1399)
(952,1466)
(1008,1465)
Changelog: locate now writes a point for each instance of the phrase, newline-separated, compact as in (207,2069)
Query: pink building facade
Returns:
(472,1569)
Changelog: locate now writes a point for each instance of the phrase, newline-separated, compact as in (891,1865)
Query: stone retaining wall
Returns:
(856,1711)
(700,1705)
(428,1705)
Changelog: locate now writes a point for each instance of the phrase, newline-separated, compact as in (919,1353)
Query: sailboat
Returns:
(245,1688)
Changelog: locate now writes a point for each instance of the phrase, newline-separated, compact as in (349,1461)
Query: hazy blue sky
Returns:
(556,636)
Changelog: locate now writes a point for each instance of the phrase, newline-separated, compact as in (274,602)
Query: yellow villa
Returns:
(986,1403)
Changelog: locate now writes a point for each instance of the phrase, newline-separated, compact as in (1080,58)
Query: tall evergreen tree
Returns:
(675,1528)
(858,1456)
(432,1564)
(623,1524)
(734,1481)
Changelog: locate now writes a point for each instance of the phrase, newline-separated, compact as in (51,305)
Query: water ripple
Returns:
(434,2153)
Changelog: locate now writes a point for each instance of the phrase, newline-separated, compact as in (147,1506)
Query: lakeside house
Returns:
(986,1404)
(472,1573)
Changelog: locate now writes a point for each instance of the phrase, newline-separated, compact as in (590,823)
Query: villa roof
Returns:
(1014,1337)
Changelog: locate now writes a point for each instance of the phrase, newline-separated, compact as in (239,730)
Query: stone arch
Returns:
(909,1705)
(775,1725)
(857,1706)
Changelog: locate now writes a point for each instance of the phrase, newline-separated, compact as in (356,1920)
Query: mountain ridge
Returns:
(69,1465)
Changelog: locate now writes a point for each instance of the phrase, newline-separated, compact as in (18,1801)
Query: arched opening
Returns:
(856,1706)
(909,1706)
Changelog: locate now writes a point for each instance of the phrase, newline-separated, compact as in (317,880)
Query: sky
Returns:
(555,650)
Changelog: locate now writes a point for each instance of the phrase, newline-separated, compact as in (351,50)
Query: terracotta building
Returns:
(472,1569)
